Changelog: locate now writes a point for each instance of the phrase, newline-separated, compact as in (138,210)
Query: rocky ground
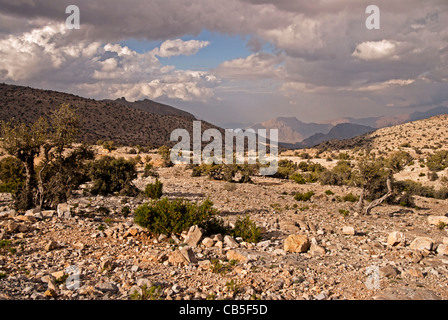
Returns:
(319,249)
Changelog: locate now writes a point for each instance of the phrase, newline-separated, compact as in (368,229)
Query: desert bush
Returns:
(329,192)
(350,197)
(303,196)
(166,216)
(109,146)
(298,178)
(438,161)
(149,171)
(154,190)
(111,175)
(165,154)
(246,229)
(12,175)
(285,169)
(341,174)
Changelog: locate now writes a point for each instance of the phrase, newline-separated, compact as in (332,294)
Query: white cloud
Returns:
(170,48)
(376,50)
(103,71)
(256,66)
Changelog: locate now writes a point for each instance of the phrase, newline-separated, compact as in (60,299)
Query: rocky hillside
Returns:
(125,123)
(423,135)
(339,132)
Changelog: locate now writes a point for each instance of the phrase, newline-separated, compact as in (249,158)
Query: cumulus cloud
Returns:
(376,50)
(170,48)
(319,51)
(108,70)
(256,66)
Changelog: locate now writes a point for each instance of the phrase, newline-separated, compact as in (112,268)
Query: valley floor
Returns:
(117,260)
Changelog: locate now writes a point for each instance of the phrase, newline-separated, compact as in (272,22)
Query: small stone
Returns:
(388,271)
(51,245)
(442,249)
(414,272)
(297,243)
(11,226)
(422,243)
(217,237)
(435,220)
(135,268)
(144,282)
(64,210)
(317,250)
(78,246)
(106,264)
(106,287)
(194,235)
(321,296)
(237,255)
(396,238)
(348,230)
(50,293)
(176,257)
(208,242)
(135,291)
(230,242)
(188,253)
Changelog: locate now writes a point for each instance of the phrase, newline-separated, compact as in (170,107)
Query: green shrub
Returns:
(350,197)
(246,229)
(329,192)
(165,154)
(285,169)
(111,175)
(154,190)
(298,178)
(438,161)
(125,211)
(303,196)
(344,212)
(12,175)
(166,216)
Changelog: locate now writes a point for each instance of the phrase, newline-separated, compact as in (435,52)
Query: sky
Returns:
(235,61)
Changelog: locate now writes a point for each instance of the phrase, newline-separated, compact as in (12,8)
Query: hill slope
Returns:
(426,135)
(338,132)
(102,120)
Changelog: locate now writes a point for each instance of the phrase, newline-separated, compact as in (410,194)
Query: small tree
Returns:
(111,175)
(165,154)
(154,190)
(24,141)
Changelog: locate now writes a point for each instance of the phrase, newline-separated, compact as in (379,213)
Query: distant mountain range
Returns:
(294,133)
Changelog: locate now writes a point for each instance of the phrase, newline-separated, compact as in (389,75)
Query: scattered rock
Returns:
(194,236)
(230,242)
(348,230)
(435,220)
(208,242)
(442,249)
(64,210)
(107,287)
(396,238)
(188,254)
(51,245)
(422,243)
(388,271)
(297,243)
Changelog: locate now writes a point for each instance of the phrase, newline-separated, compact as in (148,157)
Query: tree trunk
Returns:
(30,183)
(377,202)
(360,205)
